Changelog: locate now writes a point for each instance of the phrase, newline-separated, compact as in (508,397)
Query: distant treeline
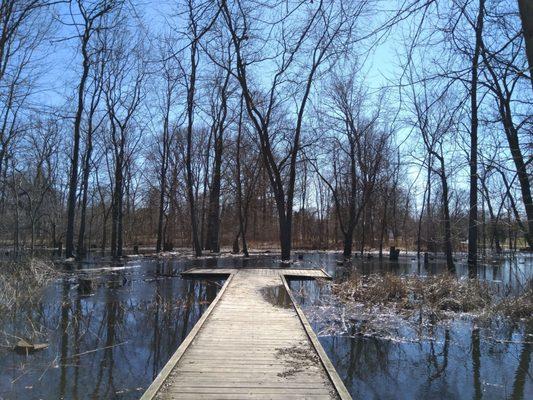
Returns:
(251,124)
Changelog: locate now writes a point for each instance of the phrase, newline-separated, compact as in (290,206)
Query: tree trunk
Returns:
(348,243)
(419,231)
(120,225)
(242,208)
(116,217)
(235,248)
(493,220)
(523,178)
(363,238)
(526,15)
(161,214)
(285,234)
(516,214)
(213,218)
(114,224)
(73,181)
(506,115)
(162,187)
(429,238)
(521,171)
(447,224)
(472,216)
(103,243)
(205,186)
(16,233)
(85,187)
(243,237)
(197,247)
(383,227)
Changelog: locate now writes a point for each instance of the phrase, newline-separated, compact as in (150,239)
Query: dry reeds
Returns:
(437,293)
(21,281)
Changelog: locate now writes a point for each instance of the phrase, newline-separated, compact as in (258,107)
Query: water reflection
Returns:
(277,296)
(507,272)
(109,333)
(457,359)
(111,328)
(460,365)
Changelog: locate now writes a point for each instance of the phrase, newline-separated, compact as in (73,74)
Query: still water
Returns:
(457,359)
(111,327)
(109,332)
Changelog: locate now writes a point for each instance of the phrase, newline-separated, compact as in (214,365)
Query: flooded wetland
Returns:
(107,329)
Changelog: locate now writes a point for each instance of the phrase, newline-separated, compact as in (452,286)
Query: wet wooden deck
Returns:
(252,342)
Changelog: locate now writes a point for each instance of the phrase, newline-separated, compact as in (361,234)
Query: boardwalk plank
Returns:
(249,346)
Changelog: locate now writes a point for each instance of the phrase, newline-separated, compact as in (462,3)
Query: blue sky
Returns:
(62,61)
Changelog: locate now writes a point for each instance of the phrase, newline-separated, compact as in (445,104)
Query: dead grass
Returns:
(519,307)
(296,359)
(23,280)
(437,293)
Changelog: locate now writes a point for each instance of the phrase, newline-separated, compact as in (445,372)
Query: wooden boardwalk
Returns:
(252,342)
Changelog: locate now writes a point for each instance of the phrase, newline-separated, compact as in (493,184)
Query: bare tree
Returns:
(436,119)
(23,26)
(358,155)
(93,123)
(124,91)
(493,218)
(219,112)
(320,34)
(167,100)
(247,168)
(200,19)
(39,177)
(473,214)
(502,81)
(86,20)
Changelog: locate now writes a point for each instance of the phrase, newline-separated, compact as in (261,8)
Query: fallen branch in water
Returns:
(98,349)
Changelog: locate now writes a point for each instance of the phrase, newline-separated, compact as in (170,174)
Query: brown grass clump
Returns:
(21,281)
(516,307)
(447,293)
(436,293)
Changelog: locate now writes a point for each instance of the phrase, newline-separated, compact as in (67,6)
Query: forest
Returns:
(258,124)
(266,199)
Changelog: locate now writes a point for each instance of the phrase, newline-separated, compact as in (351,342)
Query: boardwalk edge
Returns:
(173,361)
(324,359)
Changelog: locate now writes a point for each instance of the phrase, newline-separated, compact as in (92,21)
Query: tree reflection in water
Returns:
(109,334)
(457,359)
(523,374)
(461,363)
